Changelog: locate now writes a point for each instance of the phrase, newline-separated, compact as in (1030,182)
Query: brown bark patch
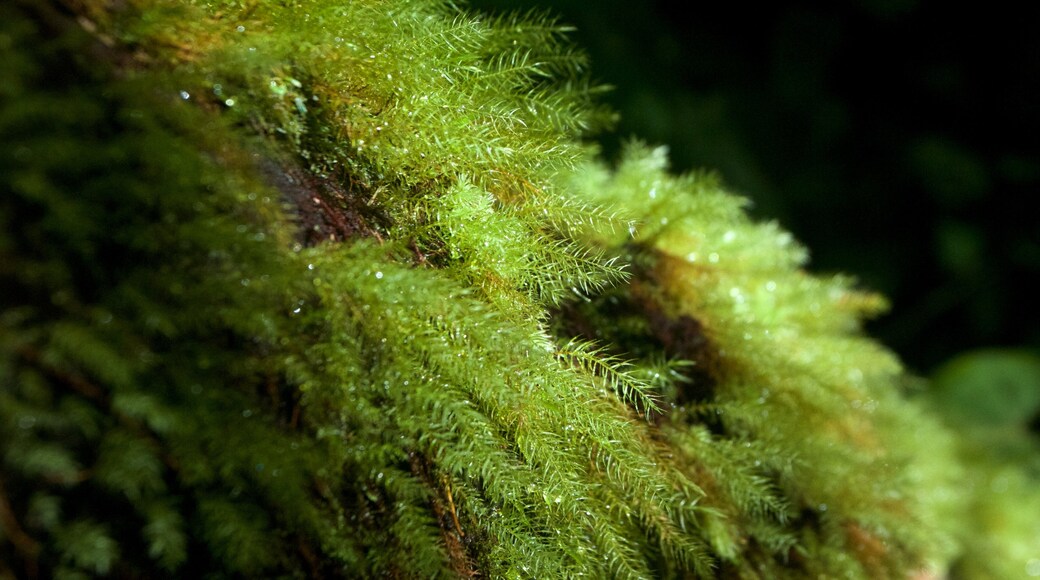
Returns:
(324,209)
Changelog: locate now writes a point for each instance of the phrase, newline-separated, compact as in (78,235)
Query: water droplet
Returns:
(247,413)
(823,507)
(296,310)
(558,500)
(653,193)
(241,28)
(185,95)
(729,236)
(379,275)
(230,102)
(713,258)
(770,286)
(310,266)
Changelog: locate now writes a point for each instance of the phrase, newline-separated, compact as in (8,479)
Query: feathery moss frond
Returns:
(617,373)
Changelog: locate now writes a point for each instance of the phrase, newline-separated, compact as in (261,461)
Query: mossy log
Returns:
(341,289)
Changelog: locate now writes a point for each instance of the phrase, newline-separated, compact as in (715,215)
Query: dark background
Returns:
(897,139)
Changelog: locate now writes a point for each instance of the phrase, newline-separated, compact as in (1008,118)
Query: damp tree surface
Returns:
(342,289)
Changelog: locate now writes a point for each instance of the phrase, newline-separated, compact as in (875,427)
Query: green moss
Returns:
(339,290)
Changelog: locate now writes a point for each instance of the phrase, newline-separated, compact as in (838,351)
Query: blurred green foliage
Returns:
(994,388)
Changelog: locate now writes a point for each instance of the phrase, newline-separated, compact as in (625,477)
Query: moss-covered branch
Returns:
(338,289)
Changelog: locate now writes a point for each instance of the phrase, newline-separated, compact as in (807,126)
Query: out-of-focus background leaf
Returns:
(898,139)
(990,388)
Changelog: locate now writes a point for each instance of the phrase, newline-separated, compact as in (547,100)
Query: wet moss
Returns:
(338,290)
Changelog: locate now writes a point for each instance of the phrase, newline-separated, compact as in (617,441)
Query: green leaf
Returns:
(989,387)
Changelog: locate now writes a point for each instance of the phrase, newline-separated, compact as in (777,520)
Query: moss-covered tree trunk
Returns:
(340,289)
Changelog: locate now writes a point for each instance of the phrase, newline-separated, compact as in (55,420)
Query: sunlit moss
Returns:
(338,290)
